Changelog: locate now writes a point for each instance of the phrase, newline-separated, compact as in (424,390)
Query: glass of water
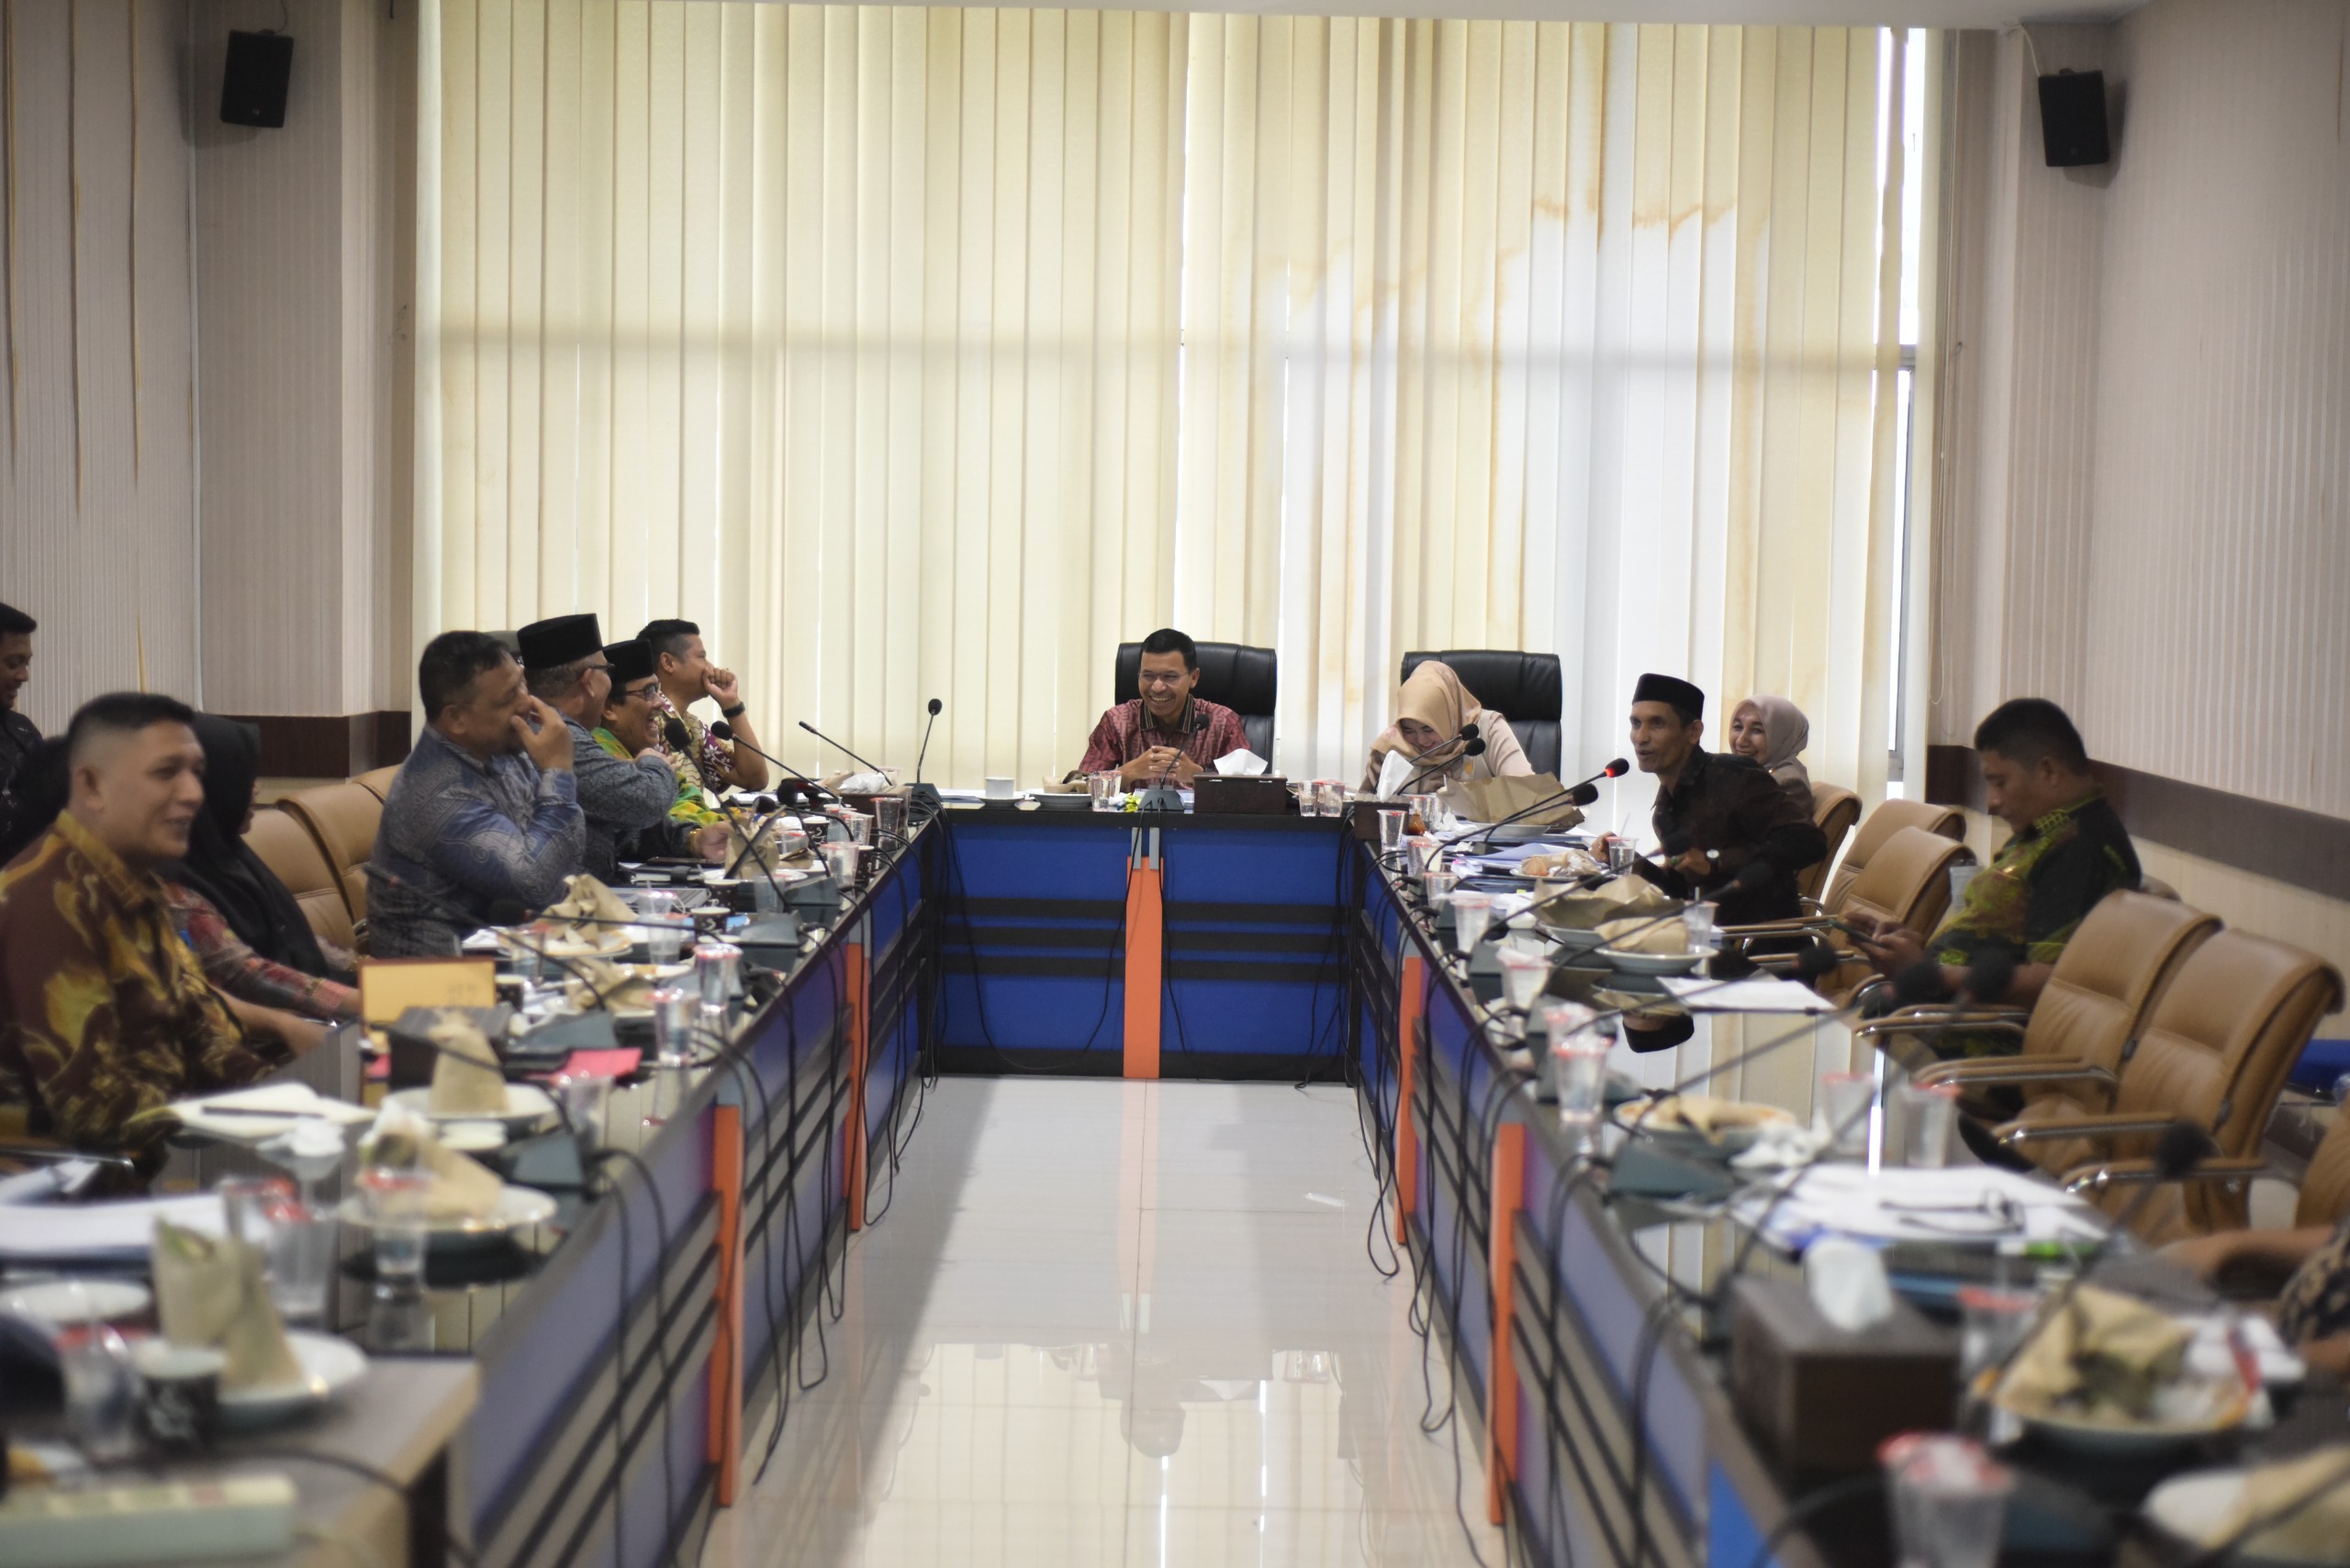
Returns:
(1104,790)
(395,1213)
(1523,974)
(1578,1061)
(1391,830)
(1470,910)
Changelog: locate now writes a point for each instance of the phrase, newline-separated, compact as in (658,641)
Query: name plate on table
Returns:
(1221,795)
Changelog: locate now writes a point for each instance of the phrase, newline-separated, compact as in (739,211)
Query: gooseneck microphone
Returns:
(869,766)
(934,706)
(725,731)
(1580,793)
(1470,743)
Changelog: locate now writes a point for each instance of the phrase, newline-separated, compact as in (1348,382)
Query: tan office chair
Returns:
(2223,1035)
(1907,880)
(343,819)
(1834,809)
(1874,834)
(379,781)
(2073,1042)
(286,847)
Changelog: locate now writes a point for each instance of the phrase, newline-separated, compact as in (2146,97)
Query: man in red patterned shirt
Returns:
(1166,732)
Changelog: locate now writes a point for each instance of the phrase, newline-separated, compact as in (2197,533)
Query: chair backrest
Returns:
(2223,1035)
(1243,678)
(1889,818)
(1834,809)
(1907,881)
(1526,689)
(2325,1188)
(2111,975)
(379,781)
(286,847)
(343,818)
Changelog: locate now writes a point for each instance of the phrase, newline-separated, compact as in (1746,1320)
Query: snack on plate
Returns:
(1560,866)
(1666,938)
(1706,1115)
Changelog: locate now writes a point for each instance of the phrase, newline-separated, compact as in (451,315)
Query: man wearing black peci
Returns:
(1733,813)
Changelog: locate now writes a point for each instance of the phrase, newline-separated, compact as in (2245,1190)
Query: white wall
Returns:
(98,474)
(271,347)
(2152,423)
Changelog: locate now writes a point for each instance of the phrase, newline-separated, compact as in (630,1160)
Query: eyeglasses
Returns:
(1157,678)
(639,693)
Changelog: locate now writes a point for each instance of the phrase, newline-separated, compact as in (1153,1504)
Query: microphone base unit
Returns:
(1160,798)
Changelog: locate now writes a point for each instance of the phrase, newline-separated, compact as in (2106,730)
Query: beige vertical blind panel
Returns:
(933,351)
(97,450)
(1554,336)
(847,332)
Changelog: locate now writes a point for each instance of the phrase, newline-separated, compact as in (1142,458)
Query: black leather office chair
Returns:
(1244,679)
(1525,689)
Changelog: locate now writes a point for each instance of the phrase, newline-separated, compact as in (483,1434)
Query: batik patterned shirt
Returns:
(229,963)
(2315,1302)
(104,1014)
(1127,730)
(2040,886)
(688,807)
(619,796)
(467,832)
(705,761)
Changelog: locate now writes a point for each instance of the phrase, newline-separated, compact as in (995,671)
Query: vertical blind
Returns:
(924,351)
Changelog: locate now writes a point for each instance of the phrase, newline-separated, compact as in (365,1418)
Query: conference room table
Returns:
(621,1369)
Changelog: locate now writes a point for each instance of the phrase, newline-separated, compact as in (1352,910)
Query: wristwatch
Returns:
(733,712)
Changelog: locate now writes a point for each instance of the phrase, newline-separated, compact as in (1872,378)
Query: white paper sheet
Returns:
(100,1232)
(1243,764)
(1756,993)
(1960,1203)
(214,1116)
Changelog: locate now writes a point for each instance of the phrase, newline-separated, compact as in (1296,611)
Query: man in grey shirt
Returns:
(485,809)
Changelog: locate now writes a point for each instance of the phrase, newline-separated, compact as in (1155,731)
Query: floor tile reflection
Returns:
(1119,1323)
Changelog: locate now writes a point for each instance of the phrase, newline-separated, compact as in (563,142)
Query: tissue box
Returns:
(1265,795)
(1817,1400)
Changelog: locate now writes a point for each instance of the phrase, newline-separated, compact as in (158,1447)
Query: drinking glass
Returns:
(1950,1500)
(1334,797)
(250,1207)
(1844,1101)
(395,1213)
(673,1023)
(714,968)
(1621,853)
(1470,910)
(301,1263)
(840,859)
(1698,921)
(665,931)
(1929,1114)
(1420,852)
(1424,807)
(1437,886)
(890,815)
(1523,974)
(1104,789)
(1391,830)
(1992,1323)
(101,1385)
(861,827)
(1578,1061)
(586,1099)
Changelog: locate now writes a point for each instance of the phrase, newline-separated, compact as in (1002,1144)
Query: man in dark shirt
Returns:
(2069,850)
(19,737)
(1731,811)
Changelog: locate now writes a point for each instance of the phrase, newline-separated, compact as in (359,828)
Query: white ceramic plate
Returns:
(1675,1138)
(527,1104)
(2106,1441)
(2196,1506)
(1652,963)
(53,1301)
(329,1366)
(516,1208)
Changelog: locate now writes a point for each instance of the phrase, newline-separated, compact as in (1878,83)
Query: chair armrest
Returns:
(41,1150)
(2108,1125)
(1918,1020)
(2141,1172)
(1776,928)
(2009,1070)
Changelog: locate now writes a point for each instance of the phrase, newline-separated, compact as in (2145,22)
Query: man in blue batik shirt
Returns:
(485,807)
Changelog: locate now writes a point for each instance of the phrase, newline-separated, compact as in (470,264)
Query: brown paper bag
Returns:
(1491,800)
(210,1296)
(463,1188)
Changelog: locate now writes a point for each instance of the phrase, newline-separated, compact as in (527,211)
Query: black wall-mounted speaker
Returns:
(2072,119)
(253,87)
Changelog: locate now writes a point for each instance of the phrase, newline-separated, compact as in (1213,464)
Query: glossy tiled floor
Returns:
(1108,1323)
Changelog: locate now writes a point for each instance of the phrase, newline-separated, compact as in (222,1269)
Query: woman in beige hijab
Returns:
(1773,731)
(1430,713)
